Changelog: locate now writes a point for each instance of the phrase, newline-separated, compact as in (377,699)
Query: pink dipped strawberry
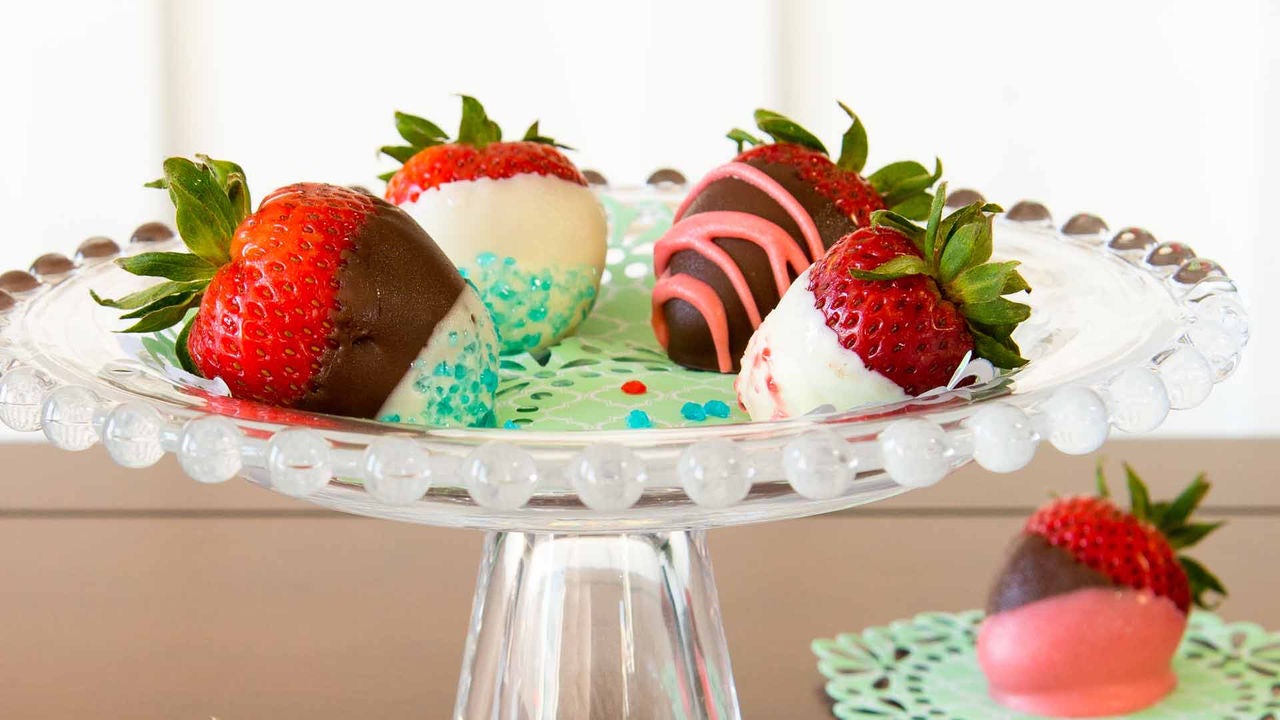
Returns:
(515,216)
(890,312)
(1092,603)
(325,299)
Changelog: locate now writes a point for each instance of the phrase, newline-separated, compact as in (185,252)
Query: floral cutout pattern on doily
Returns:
(926,668)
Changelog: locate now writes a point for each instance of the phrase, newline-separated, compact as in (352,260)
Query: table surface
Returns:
(142,594)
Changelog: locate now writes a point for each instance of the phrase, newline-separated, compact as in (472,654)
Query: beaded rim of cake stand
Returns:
(817,462)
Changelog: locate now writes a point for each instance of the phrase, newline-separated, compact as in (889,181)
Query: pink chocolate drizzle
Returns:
(704,298)
(699,232)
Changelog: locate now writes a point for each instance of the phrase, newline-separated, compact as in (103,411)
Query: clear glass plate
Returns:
(1098,309)
(596,588)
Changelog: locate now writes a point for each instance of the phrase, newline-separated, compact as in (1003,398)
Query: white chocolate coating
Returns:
(794,363)
(534,245)
(453,380)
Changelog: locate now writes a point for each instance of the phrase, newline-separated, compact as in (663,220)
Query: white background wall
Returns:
(1150,113)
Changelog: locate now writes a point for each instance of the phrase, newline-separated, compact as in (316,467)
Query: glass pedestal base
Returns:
(579,627)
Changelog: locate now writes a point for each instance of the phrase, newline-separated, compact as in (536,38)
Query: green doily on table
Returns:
(926,668)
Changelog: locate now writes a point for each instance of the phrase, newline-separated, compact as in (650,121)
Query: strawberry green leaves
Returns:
(399,153)
(888,218)
(147,298)
(853,144)
(1139,498)
(1172,519)
(996,348)
(476,128)
(180,349)
(903,185)
(158,306)
(533,135)
(169,265)
(742,137)
(955,251)
(230,177)
(779,127)
(899,267)
(211,198)
(783,129)
(1180,510)
(1202,582)
(419,132)
(988,280)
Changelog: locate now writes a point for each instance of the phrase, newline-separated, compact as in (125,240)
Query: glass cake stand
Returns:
(595,596)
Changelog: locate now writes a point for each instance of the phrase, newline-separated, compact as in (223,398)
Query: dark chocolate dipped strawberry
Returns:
(1092,603)
(749,228)
(325,299)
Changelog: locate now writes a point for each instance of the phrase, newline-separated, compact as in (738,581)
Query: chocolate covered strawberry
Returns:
(325,299)
(516,217)
(890,312)
(1092,603)
(751,226)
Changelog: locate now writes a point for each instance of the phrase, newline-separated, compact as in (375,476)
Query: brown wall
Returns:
(142,594)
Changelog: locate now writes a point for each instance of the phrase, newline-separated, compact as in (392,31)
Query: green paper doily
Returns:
(926,668)
(577,384)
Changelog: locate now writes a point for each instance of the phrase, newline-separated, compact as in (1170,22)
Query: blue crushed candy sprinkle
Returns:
(716,408)
(510,425)
(638,420)
(531,305)
(693,411)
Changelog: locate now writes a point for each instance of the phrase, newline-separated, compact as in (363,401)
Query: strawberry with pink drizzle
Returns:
(1092,603)
(749,228)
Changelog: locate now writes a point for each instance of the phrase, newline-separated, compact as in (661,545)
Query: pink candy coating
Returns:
(1088,653)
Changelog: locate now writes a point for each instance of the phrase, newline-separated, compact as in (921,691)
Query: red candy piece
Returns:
(634,387)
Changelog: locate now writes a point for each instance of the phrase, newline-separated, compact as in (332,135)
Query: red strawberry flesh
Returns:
(329,295)
(441,164)
(1100,535)
(848,190)
(903,329)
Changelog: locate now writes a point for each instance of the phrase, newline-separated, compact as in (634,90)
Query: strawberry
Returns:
(900,186)
(266,318)
(432,159)
(323,299)
(911,301)
(1093,602)
(889,312)
(509,215)
(1137,548)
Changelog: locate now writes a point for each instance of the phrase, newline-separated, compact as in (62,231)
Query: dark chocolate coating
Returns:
(1037,570)
(690,341)
(395,288)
